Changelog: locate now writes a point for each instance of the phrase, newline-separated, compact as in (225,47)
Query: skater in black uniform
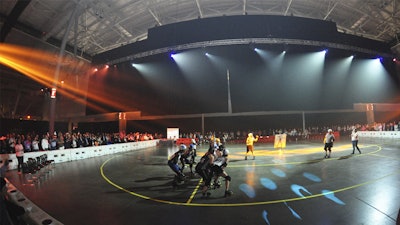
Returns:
(328,143)
(218,169)
(203,168)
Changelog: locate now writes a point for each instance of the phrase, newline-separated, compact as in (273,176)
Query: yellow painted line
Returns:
(131,192)
(293,152)
(379,148)
(189,202)
(194,191)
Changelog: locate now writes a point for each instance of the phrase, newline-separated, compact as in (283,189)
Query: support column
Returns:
(202,123)
(370,111)
(229,92)
(52,113)
(122,124)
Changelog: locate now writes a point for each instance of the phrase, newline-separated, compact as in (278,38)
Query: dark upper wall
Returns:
(237,27)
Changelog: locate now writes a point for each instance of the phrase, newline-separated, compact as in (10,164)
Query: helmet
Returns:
(329,130)
(182,147)
(215,146)
(225,152)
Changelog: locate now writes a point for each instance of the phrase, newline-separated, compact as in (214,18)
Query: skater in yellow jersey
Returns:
(250,144)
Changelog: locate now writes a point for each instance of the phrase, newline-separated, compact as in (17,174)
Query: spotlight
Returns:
(379,59)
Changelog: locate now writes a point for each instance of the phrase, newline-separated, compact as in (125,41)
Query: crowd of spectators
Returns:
(34,142)
(293,133)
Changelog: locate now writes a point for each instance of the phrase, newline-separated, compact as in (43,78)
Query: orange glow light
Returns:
(40,66)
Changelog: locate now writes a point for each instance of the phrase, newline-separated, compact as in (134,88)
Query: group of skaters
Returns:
(330,138)
(212,164)
(185,156)
(210,167)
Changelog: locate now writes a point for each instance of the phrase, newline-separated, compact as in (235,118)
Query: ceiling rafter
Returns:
(155,17)
(60,23)
(288,7)
(111,23)
(331,9)
(199,9)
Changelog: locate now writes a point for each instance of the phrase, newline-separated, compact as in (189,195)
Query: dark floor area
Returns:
(295,185)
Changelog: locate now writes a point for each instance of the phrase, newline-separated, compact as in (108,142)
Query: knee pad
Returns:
(228,178)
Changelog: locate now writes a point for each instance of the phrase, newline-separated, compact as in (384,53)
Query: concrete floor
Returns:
(295,185)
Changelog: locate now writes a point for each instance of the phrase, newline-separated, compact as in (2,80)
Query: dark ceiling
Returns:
(92,27)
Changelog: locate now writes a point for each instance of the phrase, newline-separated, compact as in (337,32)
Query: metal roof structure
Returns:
(92,27)
(102,25)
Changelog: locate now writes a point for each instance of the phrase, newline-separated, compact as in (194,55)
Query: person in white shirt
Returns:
(45,143)
(328,143)
(354,140)
(19,153)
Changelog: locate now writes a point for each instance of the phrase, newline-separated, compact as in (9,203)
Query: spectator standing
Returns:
(35,143)
(45,142)
(53,143)
(67,141)
(60,141)
(74,143)
(28,144)
(19,153)
(11,143)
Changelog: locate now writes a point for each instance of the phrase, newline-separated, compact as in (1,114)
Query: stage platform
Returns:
(295,185)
